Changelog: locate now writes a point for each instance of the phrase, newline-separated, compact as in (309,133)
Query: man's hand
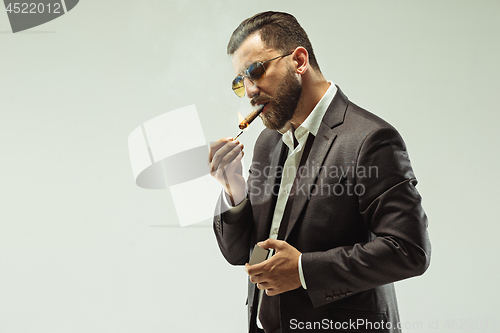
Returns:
(278,274)
(224,162)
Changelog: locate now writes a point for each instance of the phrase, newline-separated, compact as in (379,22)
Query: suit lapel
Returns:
(323,141)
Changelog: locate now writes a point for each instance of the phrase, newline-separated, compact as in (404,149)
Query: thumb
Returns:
(270,244)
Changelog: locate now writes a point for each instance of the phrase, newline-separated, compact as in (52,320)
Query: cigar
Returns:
(249,119)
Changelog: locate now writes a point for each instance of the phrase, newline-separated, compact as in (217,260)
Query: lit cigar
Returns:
(249,119)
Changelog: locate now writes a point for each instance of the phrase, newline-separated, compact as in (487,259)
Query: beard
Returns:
(282,107)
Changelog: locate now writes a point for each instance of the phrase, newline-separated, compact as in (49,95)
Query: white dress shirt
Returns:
(310,125)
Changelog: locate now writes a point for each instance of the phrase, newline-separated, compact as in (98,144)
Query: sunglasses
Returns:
(256,72)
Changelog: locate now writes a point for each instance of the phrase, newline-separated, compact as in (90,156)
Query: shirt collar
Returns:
(313,121)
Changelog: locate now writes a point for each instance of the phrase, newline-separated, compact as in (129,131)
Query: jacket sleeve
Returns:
(233,230)
(390,207)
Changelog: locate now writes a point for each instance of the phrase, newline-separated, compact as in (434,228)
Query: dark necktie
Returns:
(269,314)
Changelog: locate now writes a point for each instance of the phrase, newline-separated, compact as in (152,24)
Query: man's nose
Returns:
(251,89)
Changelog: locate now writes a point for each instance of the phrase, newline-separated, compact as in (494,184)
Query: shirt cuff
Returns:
(301,274)
(227,199)
(232,212)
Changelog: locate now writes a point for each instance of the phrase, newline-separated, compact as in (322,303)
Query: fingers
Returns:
(214,146)
(272,244)
(258,279)
(279,273)
(224,163)
(261,281)
(265,284)
(224,152)
(256,269)
(264,280)
(217,145)
(272,292)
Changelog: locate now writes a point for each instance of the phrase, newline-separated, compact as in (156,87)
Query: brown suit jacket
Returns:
(356,217)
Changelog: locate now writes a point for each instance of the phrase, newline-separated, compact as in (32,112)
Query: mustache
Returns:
(260,99)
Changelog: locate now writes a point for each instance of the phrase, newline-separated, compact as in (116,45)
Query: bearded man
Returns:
(330,192)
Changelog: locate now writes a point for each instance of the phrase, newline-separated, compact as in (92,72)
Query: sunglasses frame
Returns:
(246,74)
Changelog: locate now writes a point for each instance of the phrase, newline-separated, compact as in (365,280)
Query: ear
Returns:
(301,60)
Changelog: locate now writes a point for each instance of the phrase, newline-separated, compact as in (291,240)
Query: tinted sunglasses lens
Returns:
(256,71)
(238,86)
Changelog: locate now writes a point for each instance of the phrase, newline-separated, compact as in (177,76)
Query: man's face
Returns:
(279,91)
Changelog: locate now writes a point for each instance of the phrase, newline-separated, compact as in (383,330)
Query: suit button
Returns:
(328,298)
(342,295)
(335,296)
(349,293)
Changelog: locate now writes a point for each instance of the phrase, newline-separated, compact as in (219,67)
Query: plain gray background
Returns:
(83,249)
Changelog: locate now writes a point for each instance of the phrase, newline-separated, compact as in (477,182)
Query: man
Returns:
(331,191)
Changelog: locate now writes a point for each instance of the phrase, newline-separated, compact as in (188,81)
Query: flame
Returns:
(240,117)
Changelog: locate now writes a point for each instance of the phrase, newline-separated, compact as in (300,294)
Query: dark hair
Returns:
(279,31)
